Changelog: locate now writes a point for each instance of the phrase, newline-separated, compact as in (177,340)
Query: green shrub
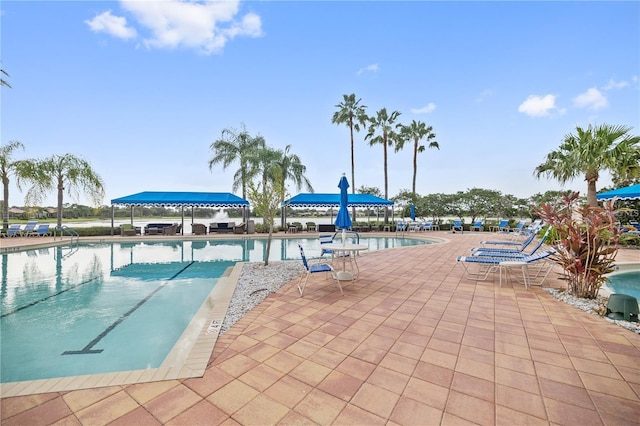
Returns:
(628,240)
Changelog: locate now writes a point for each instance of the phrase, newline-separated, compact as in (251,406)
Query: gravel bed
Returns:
(593,306)
(255,283)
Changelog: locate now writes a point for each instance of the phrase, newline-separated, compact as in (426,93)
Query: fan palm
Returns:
(382,132)
(60,172)
(591,151)
(415,132)
(20,169)
(291,168)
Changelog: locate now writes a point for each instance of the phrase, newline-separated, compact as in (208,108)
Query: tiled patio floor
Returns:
(411,343)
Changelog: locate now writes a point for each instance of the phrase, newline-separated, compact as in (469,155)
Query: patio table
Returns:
(343,250)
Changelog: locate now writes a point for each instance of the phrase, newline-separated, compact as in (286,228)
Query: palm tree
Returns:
(20,169)
(291,168)
(590,151)
(2,81)
(416,131)
(64,172)
(241,146)
(352,114)
(383,125)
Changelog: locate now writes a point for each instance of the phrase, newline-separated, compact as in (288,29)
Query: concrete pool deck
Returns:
(411,342)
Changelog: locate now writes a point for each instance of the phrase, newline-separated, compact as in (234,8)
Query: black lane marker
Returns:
(48,297)
(87,349)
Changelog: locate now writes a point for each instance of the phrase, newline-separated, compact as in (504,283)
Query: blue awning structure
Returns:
(627,193)
(333,200)
(182,199)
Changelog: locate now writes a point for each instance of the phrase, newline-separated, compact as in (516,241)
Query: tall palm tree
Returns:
(2,81)
(590,151)
(382,131)
(416,131)
(20,169)
(235,145)
(62,172)
(351,113)
(291,168)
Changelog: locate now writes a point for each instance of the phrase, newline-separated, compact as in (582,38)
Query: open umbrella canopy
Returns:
(627,193)
(343,220)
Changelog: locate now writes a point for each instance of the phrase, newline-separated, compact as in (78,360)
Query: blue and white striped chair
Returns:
(314,268)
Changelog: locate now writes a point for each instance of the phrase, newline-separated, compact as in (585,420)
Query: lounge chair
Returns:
(503,226)
(314,268)
(13,230)
(457,226)
(170,230)
(507,245)
(29,227)
(239,228)
(41,231)
(477,226)
(535,268)
(401,226)
(512,253)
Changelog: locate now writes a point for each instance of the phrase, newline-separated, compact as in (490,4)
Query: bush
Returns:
(629,240)
(585,248)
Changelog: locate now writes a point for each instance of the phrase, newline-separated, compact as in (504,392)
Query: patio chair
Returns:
(512,253)
(199,229)
(239,228)
(457,226)
(29,227)
(170,230)
(535,268)
(41,231)
(13,230)
(503,226)
(509,245)
(325,239)
(314,268)
(127,229)
(477,226)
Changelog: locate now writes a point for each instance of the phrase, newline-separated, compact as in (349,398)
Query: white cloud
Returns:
(368,68)
(591,99)
(424,110)
(537,106)
(485,94)
(205,26)
(612,84)
(112,25)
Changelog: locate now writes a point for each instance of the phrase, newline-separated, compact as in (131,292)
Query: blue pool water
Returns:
(625,283)
(98,308)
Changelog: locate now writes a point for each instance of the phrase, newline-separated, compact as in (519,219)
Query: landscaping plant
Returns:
(586,241)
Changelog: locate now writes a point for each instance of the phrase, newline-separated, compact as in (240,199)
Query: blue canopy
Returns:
(333,200)
(182,199)
(627,193)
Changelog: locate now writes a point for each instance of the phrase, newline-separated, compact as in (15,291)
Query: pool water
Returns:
(99,308)
(625,283)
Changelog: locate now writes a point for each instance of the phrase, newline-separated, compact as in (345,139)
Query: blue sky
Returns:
(141,89)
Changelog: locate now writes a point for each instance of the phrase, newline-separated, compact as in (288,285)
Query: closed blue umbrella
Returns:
(343,220)
(413,212)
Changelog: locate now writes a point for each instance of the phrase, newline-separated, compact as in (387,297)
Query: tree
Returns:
(415,132)
(590,151)
(382,132)
(2,81)
(291,168)
(352,114)
(62,172)
(265,198)
(20,169)
(241,146)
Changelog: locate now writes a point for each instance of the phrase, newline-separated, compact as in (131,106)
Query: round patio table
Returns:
(343,250)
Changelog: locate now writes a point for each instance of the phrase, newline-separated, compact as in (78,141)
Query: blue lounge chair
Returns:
(313,268)
(503,226)
(477,226)
(457,226)
(535,268)
(512,253)
(14,230)
(41,231)
(29,227)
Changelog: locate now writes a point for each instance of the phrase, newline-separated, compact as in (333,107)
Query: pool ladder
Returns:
(65,230)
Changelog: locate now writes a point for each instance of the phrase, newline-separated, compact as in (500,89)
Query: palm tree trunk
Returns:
(386,184)
(353,167)
(5,203)
(592,201)
(60,198)
(415,167)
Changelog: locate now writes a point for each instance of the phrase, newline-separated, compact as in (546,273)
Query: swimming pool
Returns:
(109,307)
(626,280)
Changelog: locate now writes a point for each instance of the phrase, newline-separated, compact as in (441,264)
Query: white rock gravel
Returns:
(593,306)
(255,283)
